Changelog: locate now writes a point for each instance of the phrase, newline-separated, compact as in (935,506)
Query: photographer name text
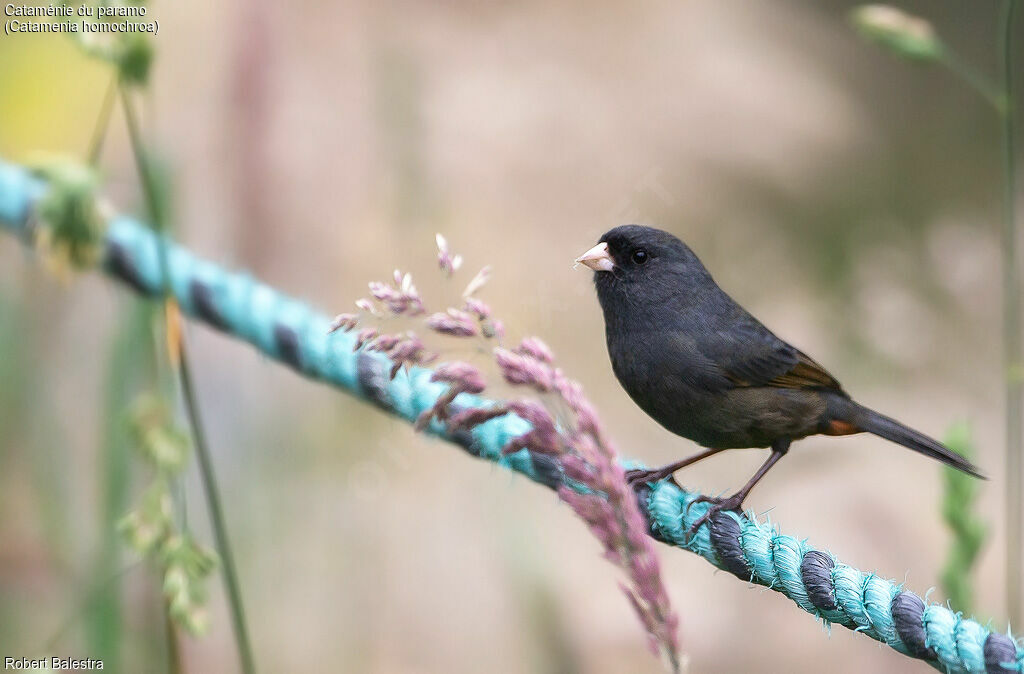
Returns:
(54,663)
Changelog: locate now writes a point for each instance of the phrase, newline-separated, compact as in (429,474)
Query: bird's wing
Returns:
(806,374)
(749,354)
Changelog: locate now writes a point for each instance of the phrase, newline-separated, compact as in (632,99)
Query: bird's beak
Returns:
(597,258)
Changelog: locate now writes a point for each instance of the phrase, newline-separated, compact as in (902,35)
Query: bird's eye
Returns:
(639,256)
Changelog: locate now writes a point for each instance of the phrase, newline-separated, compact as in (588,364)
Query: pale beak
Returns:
(597,258)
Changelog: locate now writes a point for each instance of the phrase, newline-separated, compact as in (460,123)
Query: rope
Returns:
(293,333)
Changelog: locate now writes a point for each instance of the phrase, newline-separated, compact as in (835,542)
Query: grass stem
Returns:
(1014,367)
(220,531)
(208,479)
(99,134)
(974,79)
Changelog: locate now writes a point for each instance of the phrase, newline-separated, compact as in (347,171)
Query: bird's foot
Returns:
(637,478)
(718,504)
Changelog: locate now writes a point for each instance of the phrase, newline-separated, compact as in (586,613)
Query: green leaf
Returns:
(968,531)
(903,34)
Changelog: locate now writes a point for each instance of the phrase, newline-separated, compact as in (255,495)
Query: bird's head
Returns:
(637,260)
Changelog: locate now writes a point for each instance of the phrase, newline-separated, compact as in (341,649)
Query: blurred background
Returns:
(848,199)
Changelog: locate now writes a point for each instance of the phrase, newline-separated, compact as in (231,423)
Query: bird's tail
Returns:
(890,429)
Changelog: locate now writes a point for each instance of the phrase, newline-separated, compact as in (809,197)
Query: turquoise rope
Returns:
(290,331)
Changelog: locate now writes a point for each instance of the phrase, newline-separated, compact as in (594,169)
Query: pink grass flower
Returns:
(474,416)
(366,305)
(404,350)
(594,483)
(478,282)
(462,375)
(525,370)
(343,322)
(477,307)
(365,335)
(543,437)
(448,263)
(400,298)
(536,349)
(461,378)
(454,322)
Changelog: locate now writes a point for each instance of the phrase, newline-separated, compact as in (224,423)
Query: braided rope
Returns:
(293,333)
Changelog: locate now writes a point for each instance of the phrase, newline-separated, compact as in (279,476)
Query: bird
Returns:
(704,368)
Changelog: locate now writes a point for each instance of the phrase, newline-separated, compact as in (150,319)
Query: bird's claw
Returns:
(732,503)
(639,477)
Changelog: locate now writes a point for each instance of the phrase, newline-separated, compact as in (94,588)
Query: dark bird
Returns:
(705,369)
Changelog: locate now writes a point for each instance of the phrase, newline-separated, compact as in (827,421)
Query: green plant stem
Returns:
(1014,368)
(173,644)
(213,502)
(99,134)
(974,79)
(220,531)
(149,186)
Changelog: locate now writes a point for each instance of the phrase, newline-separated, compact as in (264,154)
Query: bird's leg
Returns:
(638,477)
(735,502)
